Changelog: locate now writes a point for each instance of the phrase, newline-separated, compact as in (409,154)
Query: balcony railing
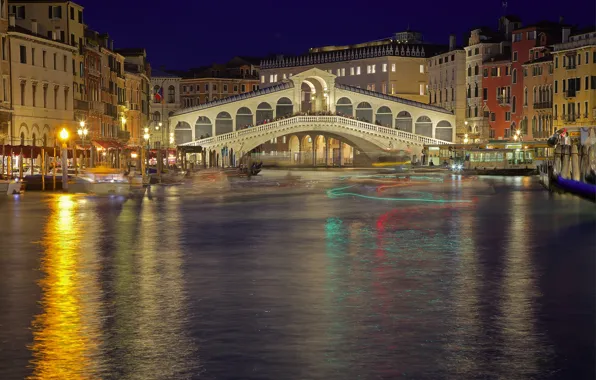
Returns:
(543,105)
(81,105)
(504,100)
(569,118)
(571,66)
(569,94)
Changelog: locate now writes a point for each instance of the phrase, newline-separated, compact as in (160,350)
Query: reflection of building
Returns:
(575,81)
(206,84)
(393,66)
(41,78)
(483,44)
(447,83)
(165,98)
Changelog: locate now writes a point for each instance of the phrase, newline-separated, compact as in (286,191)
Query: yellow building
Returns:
(575,81)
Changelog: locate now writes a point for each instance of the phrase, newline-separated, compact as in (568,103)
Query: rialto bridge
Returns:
(312,104)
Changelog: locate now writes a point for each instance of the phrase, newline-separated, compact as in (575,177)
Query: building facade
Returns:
(393,66)
(165,98)
(95,114)
(5,89)
(447,83)
(537,98)
(41,78)
(496,96)
(575,81)
(60,20)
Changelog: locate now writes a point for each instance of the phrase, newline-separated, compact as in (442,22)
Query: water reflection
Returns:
(66,335)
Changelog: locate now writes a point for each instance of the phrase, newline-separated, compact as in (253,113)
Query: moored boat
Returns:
(11,187)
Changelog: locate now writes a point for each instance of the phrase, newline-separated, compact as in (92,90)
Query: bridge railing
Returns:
(355,124)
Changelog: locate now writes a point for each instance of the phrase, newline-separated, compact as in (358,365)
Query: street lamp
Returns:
(64,137)
(83,131)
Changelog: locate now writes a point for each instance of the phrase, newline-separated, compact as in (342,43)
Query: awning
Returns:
(25,150)
(107,144)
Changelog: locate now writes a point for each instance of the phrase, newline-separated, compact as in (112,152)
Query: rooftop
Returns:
(20,29)
(546,58)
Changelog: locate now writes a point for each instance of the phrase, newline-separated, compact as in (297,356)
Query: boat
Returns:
(11,187)
(106,181)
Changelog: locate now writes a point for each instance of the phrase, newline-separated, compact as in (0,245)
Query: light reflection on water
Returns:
(298,286)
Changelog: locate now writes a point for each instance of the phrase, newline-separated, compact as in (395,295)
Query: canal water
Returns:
(314,278)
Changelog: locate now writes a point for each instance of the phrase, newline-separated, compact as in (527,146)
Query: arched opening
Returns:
(320,147)
(364,112)
(223,123)
(444,131)
(384,117)
(182,133)
(264,112)
(424,126)
(243,118)
(344,107)
(171,94)
(294,148)
(313,95)
(284,107)
(203,127)
(307,150)
(156,116)
(33,138)
(403,121)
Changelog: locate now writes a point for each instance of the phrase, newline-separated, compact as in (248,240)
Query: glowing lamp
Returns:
(63,134)
(134,155)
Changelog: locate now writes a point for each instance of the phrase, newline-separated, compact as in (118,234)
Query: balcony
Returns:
(543,105)
(569,118)
(571,66)
(504,100)
(81,105)
(569,94)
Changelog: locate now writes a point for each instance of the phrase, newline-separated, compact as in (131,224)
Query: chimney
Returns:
(566,33)
(11,20)
(34,26)
(452,42)
(112,45)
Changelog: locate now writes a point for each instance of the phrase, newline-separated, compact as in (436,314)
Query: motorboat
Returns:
(106,181)
(11,187)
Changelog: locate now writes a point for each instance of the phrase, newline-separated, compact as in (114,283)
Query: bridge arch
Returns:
(384,117)
(223,123)
(344,106)
(244,118)
(364,112)
(264,112)
(403,121)
(315,94)
(203,127)
(182,133)
(284,107)
(424,126)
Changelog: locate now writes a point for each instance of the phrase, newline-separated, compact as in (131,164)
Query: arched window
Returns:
(534,96)
(476,72)
(513,106)
(171,94)
(469,71)
(514,76)
(156,116)
(525,96)
(476,90)
(469,91)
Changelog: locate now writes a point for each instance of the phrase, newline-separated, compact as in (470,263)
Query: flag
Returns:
(159,95)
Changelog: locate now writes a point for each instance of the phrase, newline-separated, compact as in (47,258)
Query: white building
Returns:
(42,79)
(162,110)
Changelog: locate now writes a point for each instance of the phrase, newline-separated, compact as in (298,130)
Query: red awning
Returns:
(107,144)
(25,150)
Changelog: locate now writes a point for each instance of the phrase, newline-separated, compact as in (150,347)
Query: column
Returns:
(299,150)
(340,152)
(314,152)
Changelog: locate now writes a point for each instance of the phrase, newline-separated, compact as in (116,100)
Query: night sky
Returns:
(189,33)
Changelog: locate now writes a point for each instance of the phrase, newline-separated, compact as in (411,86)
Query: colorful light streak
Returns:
(339,192)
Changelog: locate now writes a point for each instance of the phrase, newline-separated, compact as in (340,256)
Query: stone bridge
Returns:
(312,103)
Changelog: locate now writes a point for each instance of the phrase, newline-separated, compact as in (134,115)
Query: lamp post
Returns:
(64,138)
(146,138)
(83,131)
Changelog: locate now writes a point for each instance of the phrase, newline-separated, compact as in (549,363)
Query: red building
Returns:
(496,95)
(524,46)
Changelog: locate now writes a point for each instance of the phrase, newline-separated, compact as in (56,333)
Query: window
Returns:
(392,88)
(421,69)
(351,71)
(587,83)
(33,56)
(19,11)
(514,56)
(556,111)
(579,59)
(514,79)
(493,116)
(66,63)
(5,89)
(4,48)
(23,53)
(470,53)
(243,88)
(338,71)
(586,109)
(476,72)
(485,73)
(384,67)
(476,51)
(33,93)
(358,70)
(469,71)
(556,87)
(422,88)
(45,96)
(556,62)
(23,93)
(485,94)
(343,72)
(225,87)
(80,17)
(66,98)
(513,106)
(56,97)
(81,69)
(393,67)
(476,111)
(214,86)
(384,88)
(55,12)
(507,116)
(207,87)
(255,87)
(55,63)
(72,13)
(525,96)
(270,78)
(476,90)
(262,79)
(235,88)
